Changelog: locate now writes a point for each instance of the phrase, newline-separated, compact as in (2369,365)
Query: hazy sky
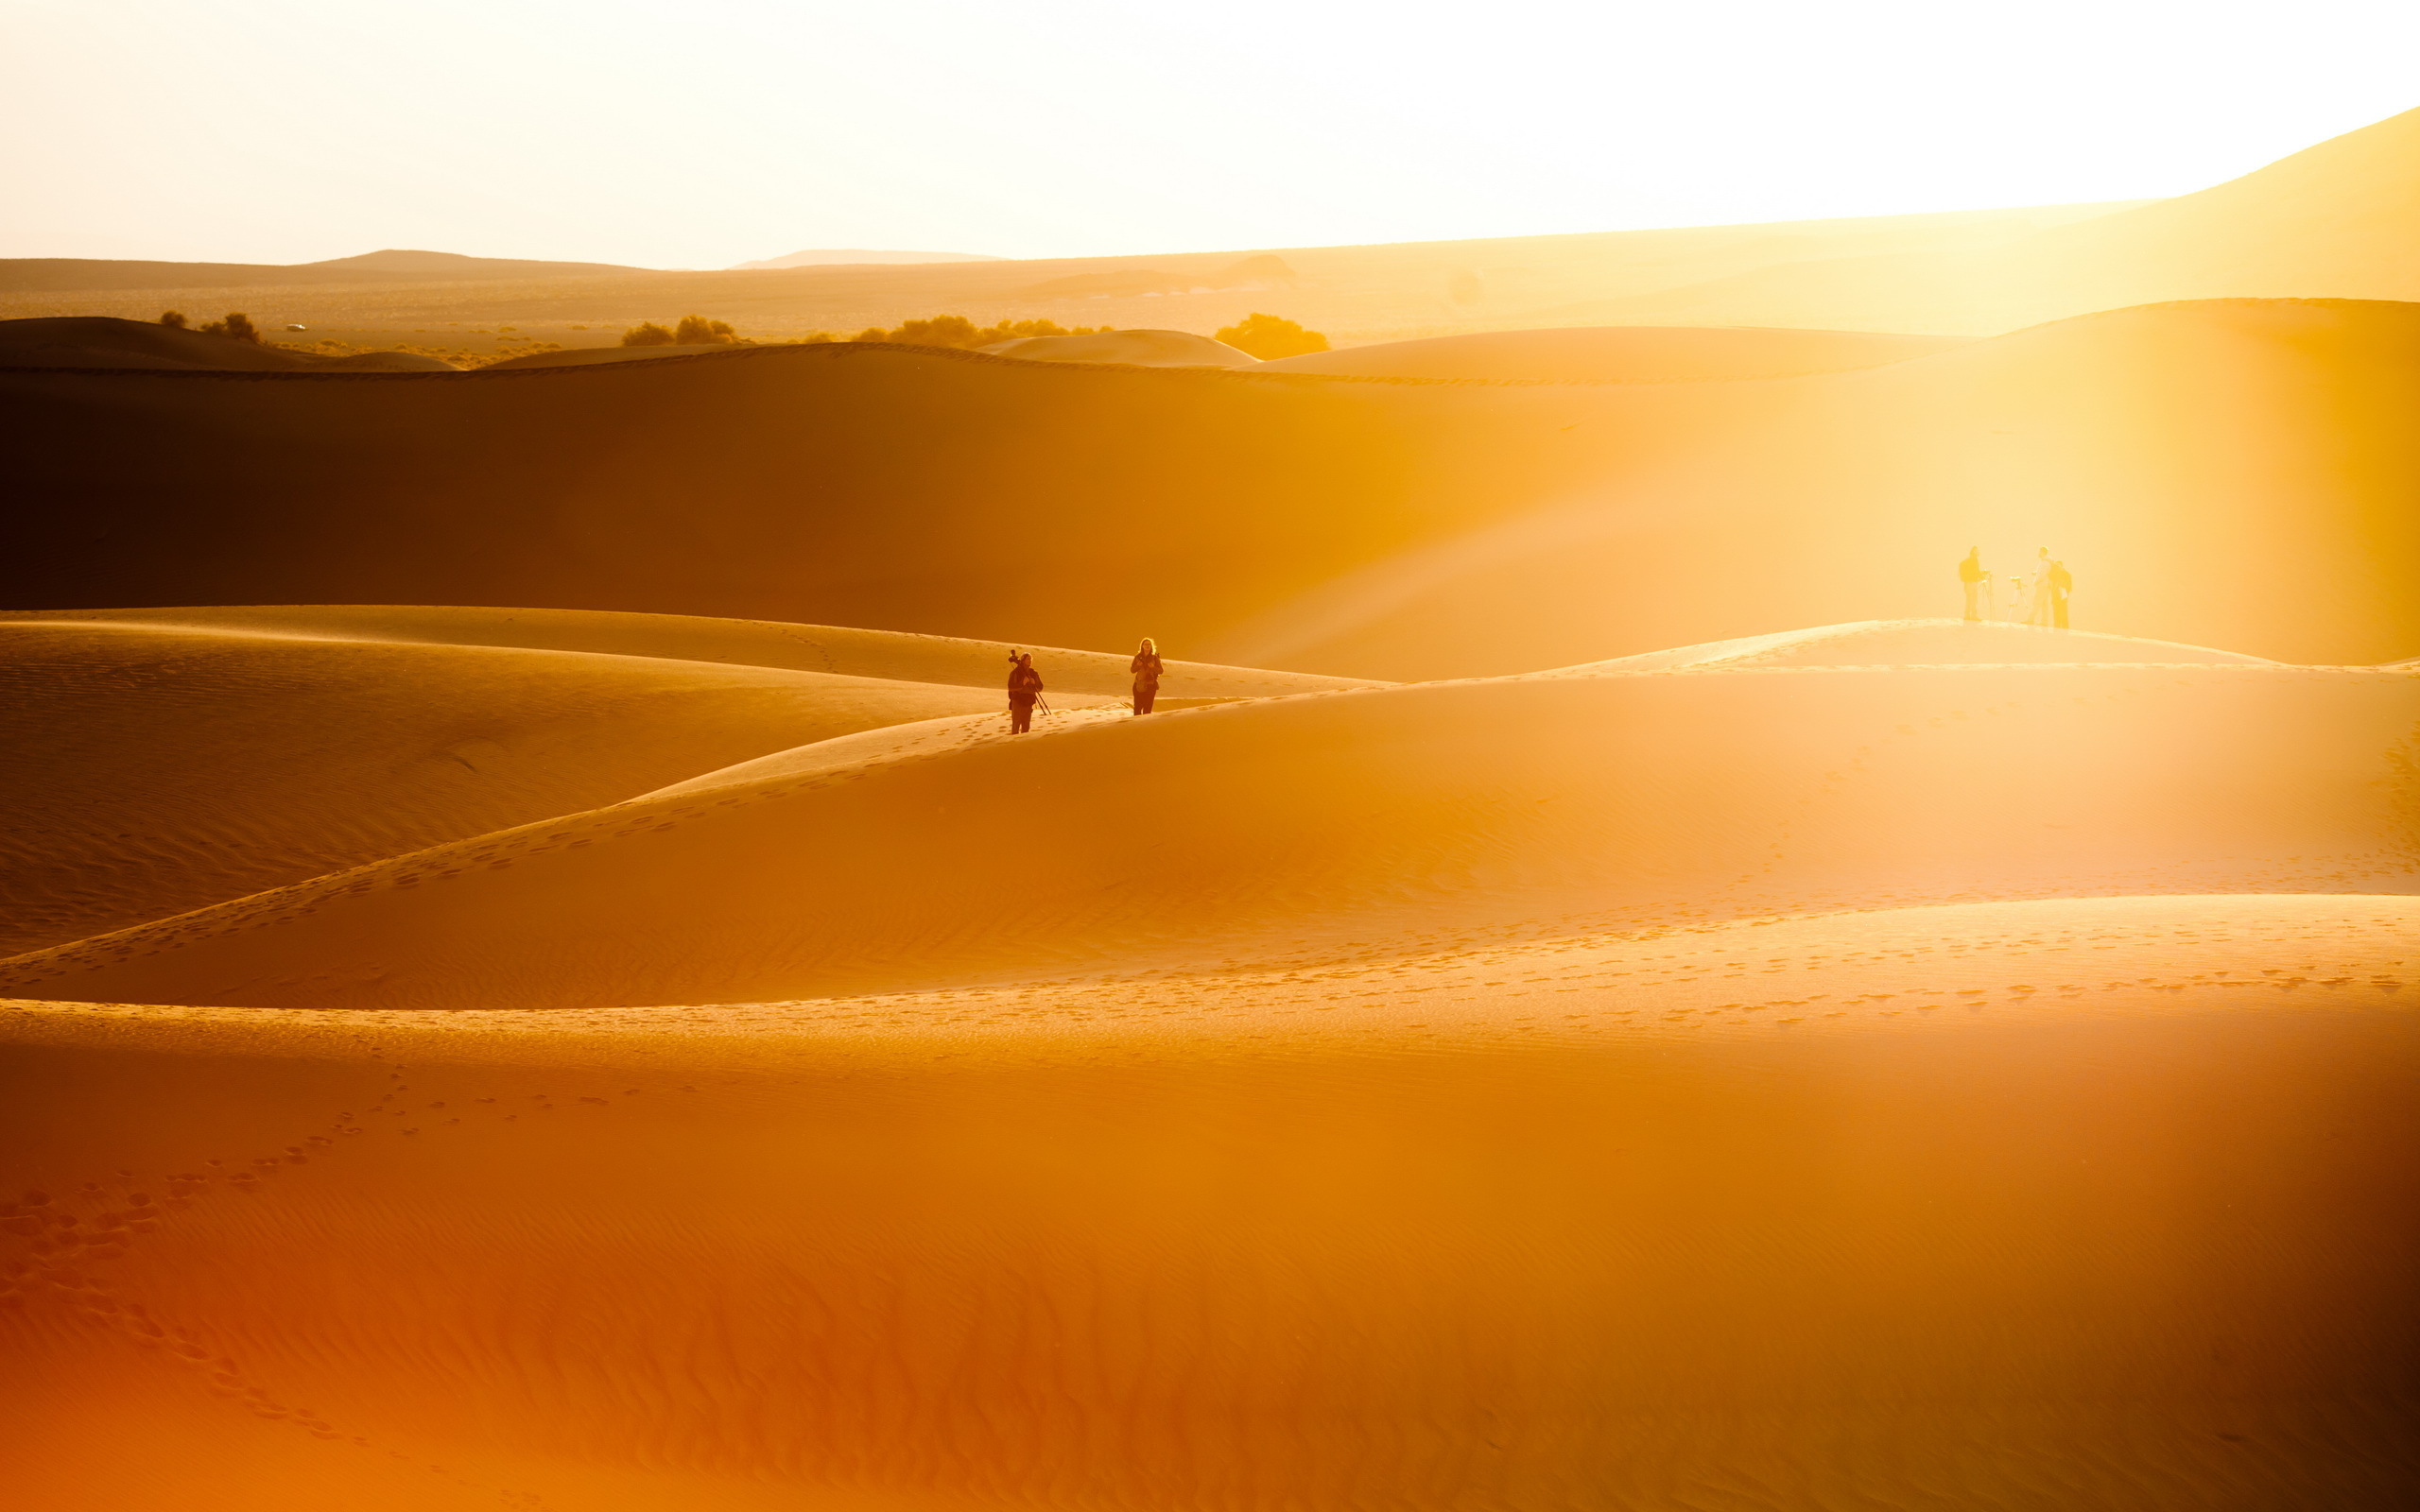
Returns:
(705,132)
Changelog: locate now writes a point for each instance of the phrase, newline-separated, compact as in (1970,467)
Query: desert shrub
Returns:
(959,332)
(647,333)
(238,326)
(1269,336)
(697,331)
(173,320)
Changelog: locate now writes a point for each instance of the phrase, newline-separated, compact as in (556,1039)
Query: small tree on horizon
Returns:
(238,326)
(697,331)
(173,320)
(960,334)
(1269,337)
(647,333)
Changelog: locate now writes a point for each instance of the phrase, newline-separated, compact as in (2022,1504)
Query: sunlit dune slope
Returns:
(2232,474)
(1398,816)
(2333,220)
(2223,475)
(1619,354)
(589,357)
(2076,1206)
(1916,643)
(836,650)
(153,767)
(1150,349)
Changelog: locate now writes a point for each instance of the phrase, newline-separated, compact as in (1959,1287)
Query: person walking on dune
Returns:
(2062,583)
(1971,574)
(1146,667)
(1025,690)
(2040,615)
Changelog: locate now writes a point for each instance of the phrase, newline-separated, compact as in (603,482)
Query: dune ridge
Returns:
(1869,1065)
(1386,812)
(1381,528)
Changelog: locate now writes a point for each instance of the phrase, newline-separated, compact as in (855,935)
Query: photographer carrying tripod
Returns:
(1025,691)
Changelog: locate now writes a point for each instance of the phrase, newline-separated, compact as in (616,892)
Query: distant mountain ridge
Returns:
(393,265)
(828,256)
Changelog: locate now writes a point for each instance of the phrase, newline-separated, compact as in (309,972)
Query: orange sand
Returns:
(2232,473)
(1903,1064)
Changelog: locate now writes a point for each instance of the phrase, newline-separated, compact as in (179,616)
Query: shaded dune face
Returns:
(2231,473)
(1872,1067)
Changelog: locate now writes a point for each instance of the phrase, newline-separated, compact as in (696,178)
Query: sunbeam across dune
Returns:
(1271,878)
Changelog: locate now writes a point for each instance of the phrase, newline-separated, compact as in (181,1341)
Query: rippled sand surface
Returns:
(1897,1066)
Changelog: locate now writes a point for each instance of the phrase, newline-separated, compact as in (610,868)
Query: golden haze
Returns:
(538,976)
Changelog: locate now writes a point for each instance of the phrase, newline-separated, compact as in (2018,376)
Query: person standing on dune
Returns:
(1025,688)
(2041,591)
(1146,667)
(1971,574)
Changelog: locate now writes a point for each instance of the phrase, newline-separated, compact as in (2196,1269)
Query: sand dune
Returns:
(2230,474)
(98,341)
(1619,354)
(2060,1205)
(589,357)
(2331,221)
(158,761)
(831,650)
(1669,1057)
(155,768)
(1894,1064)
(1380,816)
(1915,643)
(1143,348)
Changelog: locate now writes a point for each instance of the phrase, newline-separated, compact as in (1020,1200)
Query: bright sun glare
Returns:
(713,133)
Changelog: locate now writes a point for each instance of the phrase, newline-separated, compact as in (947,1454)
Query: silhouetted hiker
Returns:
(2062,583)
(1147,676)
(2041,611)
(1970,571)
(1024,689)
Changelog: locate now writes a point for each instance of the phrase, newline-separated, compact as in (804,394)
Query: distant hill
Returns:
(23,275)
(2337,220)
(825,256)
(1353,294)
(101,341)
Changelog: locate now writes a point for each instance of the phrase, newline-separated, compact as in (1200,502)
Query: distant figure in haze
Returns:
(1970,571)
(2062,583)
(1147,676)
(2040,613)
(1025,688)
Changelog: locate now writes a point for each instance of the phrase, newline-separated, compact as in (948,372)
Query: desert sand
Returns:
(629,1061)
(2233,473)
(1142,347)
(105,342)
(536,973)
(1619,354)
